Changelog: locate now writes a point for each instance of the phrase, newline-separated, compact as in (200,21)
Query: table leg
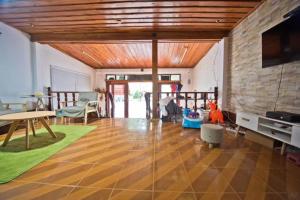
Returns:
(27,133)
(237,130)
(32,127)
(282,148)
(43,121)
(12,128)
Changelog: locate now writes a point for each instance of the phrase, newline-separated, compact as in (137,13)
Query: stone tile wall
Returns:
(252,88)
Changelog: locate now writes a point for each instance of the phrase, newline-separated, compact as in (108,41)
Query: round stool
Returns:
(212,134)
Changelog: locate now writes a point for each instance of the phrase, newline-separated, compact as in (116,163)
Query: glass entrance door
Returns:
(119,92)
(136,96)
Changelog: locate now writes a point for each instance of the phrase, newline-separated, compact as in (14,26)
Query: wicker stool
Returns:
(212,134)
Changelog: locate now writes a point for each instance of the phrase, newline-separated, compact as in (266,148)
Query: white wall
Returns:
(25,66)
(210,72)
(47,56)
(15,63)
(185,75)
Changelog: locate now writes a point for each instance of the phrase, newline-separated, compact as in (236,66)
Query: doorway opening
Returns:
(129,100)
(136,99)
(120,99)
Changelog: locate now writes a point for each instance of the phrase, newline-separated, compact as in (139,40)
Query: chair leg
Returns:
(98,114)
(237,130)
(85,118)
(62,120)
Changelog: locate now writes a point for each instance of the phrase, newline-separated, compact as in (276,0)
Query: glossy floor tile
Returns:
(139,159)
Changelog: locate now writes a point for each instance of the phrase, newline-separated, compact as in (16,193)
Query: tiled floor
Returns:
(137,159)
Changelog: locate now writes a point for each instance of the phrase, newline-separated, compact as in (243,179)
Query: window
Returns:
(132,77)
(110,77)
(121,77)
(175,77)
(65,80)
(165,77)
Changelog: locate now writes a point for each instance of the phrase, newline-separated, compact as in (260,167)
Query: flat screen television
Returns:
(281,44)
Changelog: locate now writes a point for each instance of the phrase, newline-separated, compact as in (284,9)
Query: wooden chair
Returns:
(87,103)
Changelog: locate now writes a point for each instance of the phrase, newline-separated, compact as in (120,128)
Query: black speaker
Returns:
(284,116)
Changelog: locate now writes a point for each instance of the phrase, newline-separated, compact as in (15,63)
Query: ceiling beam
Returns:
(98,37)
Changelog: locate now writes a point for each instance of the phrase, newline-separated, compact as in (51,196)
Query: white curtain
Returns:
(64,80)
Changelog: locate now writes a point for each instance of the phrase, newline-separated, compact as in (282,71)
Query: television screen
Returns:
(281,44)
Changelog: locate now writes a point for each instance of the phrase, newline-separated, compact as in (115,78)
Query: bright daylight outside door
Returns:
(119,93)
(137,103)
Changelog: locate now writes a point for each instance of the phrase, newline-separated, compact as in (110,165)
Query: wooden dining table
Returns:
(28,118)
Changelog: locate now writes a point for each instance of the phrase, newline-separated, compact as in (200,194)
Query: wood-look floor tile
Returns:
(194,159)
(163,158)
(281,181)
(211,179)
(249,161)
(89,194)
(290,195)
(52,172)
(131,195)
(217,196)
(139,159)
(259,196)
(136,157)
(172,180)
(132,181)
(101,176)
(222,160)
(244,181)
(174,196)
(30,191)
(196,146)
(63,173)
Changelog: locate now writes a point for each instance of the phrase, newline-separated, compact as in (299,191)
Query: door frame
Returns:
(125,83)
(126,92)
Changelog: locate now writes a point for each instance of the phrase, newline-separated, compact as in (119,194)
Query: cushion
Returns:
(85,97)
(71,111)
(88,96)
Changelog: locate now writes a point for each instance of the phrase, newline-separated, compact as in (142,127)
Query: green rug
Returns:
(15,160)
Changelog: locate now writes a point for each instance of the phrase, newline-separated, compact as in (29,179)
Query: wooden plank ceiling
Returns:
(173,54)
(66,23)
